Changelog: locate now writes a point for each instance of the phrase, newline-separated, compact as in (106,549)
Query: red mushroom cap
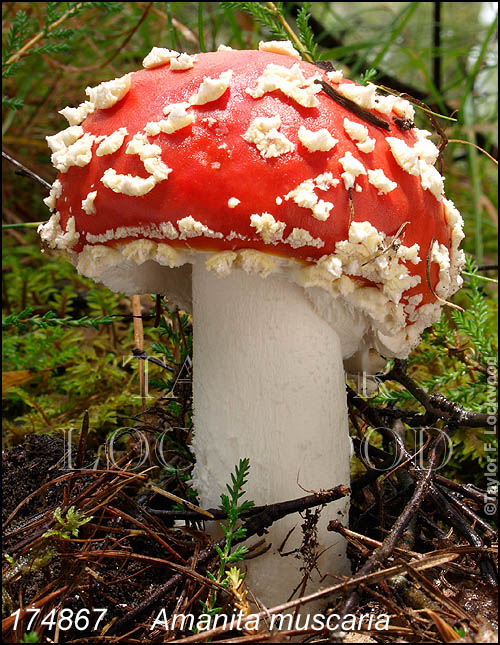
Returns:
(243,152)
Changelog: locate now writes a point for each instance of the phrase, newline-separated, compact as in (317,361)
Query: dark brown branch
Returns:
(26,172)
(410,417)
(144,356)
(449,513)
(489,532)
(274,512)
(266,514)
(466,490)
(437,405)
(82,441)
(353,107)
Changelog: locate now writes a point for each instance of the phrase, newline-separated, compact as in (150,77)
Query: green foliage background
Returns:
(68,342)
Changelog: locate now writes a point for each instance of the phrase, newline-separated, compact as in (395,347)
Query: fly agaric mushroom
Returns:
(300,232)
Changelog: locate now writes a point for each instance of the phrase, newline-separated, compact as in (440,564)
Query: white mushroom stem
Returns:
(269,385)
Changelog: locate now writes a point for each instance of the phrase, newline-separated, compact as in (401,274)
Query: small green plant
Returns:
(306,34)
(39,557)
(10,560)
(272,16)
(25,40)
(27,563)
(231,505)
(68,526)
(30,637)
(368,77)
(26,319)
